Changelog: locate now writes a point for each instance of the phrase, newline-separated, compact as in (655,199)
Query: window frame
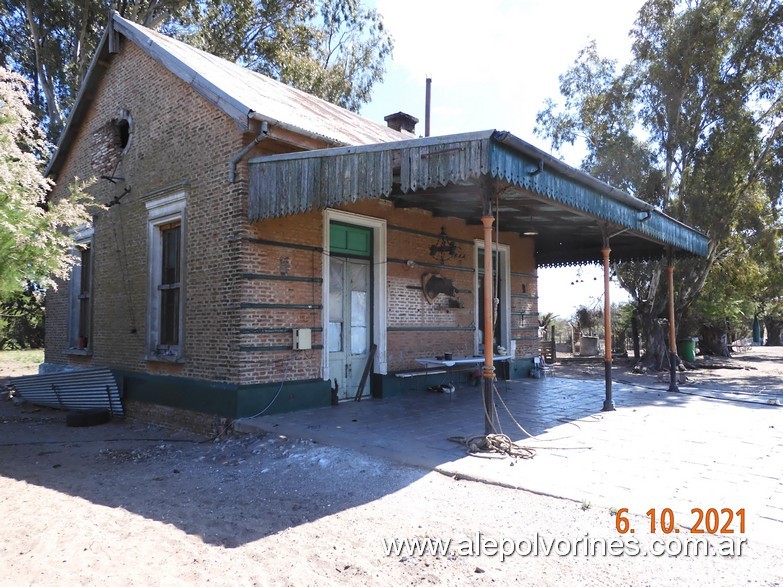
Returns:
(80,313)
(503,266)
(162,214)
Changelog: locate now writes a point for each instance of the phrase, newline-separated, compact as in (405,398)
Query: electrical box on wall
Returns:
(303,339)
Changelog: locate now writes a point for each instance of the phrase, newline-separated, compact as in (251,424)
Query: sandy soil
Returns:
(757,369)
(129,504)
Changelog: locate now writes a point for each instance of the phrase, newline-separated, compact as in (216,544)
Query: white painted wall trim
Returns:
(83,236)
(504,268)
(161,211)
(380,297)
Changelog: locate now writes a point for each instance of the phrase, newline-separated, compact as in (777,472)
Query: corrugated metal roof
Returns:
(241,91)
(567,209)
(237,91)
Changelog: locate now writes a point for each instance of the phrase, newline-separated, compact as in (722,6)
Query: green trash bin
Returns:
(687,348)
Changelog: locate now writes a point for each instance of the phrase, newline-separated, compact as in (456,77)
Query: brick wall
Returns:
(178,142)
(236,273)
(416,327)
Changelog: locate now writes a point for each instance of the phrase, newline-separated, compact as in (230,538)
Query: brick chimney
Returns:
(402,122)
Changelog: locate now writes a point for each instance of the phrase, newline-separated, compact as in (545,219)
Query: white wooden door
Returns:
(350,300)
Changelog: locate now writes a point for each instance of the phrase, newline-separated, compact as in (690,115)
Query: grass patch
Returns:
(20,362)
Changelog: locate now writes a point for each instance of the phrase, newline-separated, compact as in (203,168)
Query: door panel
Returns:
(336,313)
(349,322)
(500,277)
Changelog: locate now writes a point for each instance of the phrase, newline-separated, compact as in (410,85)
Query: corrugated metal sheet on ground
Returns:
(81,389)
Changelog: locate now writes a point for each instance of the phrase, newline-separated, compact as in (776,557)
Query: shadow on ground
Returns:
(229,492)
(295,468)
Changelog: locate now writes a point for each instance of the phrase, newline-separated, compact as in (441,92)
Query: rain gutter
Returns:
(232,163)
(544,158)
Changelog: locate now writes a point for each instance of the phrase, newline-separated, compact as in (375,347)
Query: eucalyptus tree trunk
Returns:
(656,355)
(714,341)
(774,327)
(43,78)
(650,300)
(637,354)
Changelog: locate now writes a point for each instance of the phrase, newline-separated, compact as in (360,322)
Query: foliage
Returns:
(587,319)
(545,320)
(622,319)
(22,319)
(563,329)
(51,42)
(335,49)
(33,243)
(694,126)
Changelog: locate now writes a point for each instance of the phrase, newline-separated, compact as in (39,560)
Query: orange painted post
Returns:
(608,401)
(672,334)
(489,351)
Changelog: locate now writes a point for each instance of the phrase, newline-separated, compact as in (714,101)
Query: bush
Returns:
(22,324)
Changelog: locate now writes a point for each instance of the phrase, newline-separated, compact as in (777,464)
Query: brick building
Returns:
(258,244)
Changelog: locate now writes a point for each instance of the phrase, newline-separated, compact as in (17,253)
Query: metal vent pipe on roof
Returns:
(427,100)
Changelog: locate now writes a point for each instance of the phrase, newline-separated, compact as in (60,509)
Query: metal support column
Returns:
(672,335)
(608,401)
(489,351)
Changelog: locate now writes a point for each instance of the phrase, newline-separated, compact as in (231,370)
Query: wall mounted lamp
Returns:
(445,248)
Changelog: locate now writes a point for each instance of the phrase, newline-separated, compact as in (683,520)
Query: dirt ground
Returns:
(130,504)
(756,369)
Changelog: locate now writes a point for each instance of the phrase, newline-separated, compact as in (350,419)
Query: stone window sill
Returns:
(78,352)
(161,358)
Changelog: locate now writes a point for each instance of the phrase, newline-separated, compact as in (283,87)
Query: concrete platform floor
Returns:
(657,450)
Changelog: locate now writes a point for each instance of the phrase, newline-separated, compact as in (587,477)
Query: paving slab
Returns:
(683,451)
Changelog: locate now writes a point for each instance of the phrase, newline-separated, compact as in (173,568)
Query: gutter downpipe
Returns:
(295,129)
(427,101)
(232,163)
(608,401)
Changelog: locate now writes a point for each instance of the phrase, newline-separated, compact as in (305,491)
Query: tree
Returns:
(22,319)
(544,322)
(34,242)
(335,49)
(51,42)
(587,319)
(692,125)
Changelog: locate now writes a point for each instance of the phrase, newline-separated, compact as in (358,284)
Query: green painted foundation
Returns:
(390,385)
(520,368)
(239,401)
(224,399)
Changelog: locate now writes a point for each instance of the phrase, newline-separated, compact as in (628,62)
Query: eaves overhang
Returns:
(533,194)
(241,94)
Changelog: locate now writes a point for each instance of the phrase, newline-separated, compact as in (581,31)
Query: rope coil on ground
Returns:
(494,443)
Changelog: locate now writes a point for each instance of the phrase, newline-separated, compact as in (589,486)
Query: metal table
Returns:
(450,364)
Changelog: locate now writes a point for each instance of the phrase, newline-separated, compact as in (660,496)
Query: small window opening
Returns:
(123,132)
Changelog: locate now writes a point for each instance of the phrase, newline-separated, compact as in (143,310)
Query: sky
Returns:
(493,64)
